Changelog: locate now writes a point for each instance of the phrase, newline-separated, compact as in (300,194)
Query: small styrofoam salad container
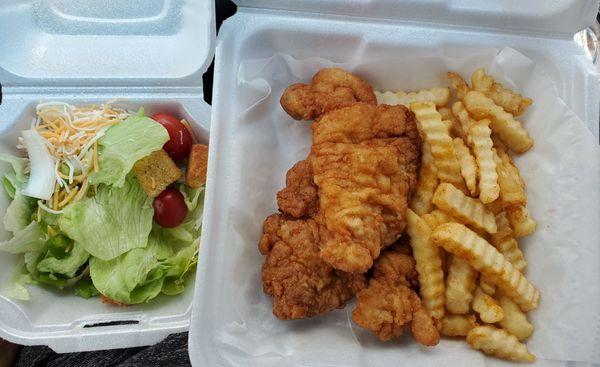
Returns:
(223,331)
(150,53)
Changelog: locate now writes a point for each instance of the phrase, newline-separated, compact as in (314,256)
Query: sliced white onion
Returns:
(41,177)
(45,208)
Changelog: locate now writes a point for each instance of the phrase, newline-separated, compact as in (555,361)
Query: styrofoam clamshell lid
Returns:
(112,42)
(152,54)
(544,16)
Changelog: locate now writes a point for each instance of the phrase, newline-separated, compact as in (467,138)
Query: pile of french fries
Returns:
(468,209)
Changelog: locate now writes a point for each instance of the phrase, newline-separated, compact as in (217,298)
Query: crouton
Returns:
(156,171)
(110,301)
(196,170)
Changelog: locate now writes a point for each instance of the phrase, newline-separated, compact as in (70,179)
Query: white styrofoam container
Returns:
(343,31)
(152,53)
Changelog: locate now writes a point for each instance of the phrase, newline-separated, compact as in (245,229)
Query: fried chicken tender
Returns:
(389,304)
(395,267)
(364,160)
(299,198)
(330,88)
(342,206)
(301,284)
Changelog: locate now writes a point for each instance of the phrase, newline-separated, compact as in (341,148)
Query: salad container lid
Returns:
(55,43)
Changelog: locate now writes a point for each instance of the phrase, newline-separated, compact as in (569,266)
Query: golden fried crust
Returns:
(330,88)
(395,268)
(299,198)
(385,309)
(390,302)
(364,161)
(360,122)
(423,328)
(301,284)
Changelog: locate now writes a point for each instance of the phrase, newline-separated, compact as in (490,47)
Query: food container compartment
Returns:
(220,334)
(151,54)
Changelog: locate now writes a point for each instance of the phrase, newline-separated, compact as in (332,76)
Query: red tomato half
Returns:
(180,142)
(169,208)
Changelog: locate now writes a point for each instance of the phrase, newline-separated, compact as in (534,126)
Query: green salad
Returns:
(104,202)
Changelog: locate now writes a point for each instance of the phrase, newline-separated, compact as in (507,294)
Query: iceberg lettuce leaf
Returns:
(123,145)
(19,212)
(134,277)
(68,265)
(15,180)
(114,221)
(16,286)
(30,238)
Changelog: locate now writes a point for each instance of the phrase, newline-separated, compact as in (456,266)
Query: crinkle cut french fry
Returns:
(455,127)
(511,131)
(506,244)
(495,206)
(487,307)
(514,321)
(468,167)
(510,101)
(428,181)
(389,98)
(437,217)
(498,144)
(504,229)
(520,220)
(459,85)
(446,113)
(457,325)
(428,265)
(485,258)
(468,210)
(487,285)
(460,284)
(448,124)
(462,115)
(498,343)
(512,186)
(437,135)
(509,248)
(479,134)
(438,95)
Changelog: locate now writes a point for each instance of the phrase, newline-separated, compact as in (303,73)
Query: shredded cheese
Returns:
(71,134)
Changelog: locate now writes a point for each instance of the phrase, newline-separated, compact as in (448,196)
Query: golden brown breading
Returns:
(361,122)
(344,204)
(364,161)
(299,198)
(385,310)
(301,284)
(329,89)
(388,304)
(423,328)
(395,268)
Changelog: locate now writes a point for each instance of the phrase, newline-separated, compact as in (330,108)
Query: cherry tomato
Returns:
(180,142)
(169,208)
